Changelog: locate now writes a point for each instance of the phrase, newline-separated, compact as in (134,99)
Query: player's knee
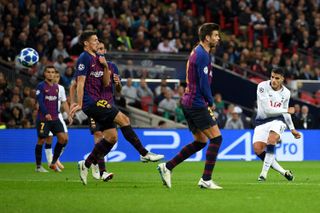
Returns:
(113,139)
(258,149)
(41,141)
(123,120)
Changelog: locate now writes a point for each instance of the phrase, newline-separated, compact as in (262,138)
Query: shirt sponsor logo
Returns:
(97,74)
(50,98)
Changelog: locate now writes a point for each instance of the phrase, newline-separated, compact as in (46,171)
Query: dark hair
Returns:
(278,70)
(206,29)
(102,42)
(86,35)
(49,67)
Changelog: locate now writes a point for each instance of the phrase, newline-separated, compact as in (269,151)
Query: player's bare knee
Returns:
(258,148)
(41,141)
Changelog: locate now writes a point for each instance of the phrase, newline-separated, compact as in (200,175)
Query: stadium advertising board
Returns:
(17,145)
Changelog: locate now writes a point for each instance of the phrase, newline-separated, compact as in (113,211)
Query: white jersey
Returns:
(62,96)
(273,105)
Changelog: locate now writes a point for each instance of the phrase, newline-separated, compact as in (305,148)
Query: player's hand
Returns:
(116,79)
(73,105)
(70,119)
(74,109)
(291,110)
(103,61)
(48,117)
(296,134)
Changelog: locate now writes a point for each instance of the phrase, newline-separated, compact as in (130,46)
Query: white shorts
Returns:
(63,123)
(261,132)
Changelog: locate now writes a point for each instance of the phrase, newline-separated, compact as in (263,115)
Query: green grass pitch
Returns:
(137,187)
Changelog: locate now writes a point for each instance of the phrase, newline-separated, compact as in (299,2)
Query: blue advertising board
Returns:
(17,145)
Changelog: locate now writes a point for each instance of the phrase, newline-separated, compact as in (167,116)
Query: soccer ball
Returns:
(28,57)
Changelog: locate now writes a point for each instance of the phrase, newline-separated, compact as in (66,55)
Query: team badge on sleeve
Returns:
(261,90)
(81,67)
(37,92)
(205,70)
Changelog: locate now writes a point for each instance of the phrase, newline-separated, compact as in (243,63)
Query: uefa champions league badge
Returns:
(261,90)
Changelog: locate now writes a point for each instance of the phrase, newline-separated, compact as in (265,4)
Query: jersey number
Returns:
(102,103)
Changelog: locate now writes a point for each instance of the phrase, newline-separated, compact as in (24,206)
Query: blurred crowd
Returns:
(258,35)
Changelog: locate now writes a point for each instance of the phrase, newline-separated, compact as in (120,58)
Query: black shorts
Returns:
(96,126)
(103,114)
(44,127)
(199,118)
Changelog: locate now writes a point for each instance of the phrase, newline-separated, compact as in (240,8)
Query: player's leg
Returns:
(276,128)
(99,164)
(42,132)
(259,148)
(59,164)
(58,130)
(269,158)
(214,134)
(124,122)
(48,148)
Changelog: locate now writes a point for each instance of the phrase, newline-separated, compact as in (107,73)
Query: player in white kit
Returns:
(61,102)
(273,117)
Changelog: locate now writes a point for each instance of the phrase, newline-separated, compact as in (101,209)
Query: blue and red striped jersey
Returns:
(89,66)
(47,97)
(108,91)
(198,77)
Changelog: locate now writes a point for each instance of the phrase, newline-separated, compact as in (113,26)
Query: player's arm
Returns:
(116,78)
(106,71)
(65,105)
(72,92)
(263,98)
(83,66)
(288,119)
(80,89)
(40,98)
(203,72)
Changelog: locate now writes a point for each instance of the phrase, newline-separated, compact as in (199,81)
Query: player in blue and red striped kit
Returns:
(93,77)
(47,120)
(197,105)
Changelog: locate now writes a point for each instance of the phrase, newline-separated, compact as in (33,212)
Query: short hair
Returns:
(206,29)
(49,67)
(86,35)
(102,42)
(278,70)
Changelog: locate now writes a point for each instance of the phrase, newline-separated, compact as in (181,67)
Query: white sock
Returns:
(276,166)
(268,160)
(49,155)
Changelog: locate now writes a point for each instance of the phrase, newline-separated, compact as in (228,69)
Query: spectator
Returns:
(163,83)
(167,106)
(143,90)
(59,50)
(306,119)
(129,71)
(235,121)
(60,65)
(130,93)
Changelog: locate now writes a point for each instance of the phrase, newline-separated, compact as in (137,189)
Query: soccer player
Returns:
(93,78)
(47,119)
(62,102)
(273,117)
(197,106)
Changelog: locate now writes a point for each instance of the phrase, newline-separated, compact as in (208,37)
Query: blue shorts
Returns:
(44,127)
(103,114)
(199,118)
